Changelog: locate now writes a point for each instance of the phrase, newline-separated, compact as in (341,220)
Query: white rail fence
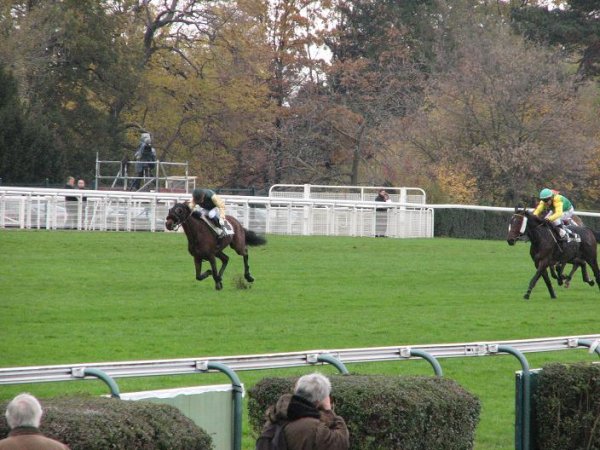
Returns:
(36,208)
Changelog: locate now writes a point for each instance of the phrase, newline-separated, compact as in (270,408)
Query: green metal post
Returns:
(334,362)
(526,401)
(114,389)
(434,362)
(237,401)
(589,345)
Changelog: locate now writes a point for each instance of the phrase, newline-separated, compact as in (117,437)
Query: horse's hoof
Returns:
(249,278)
(218,286)
(526,296)
(553,297)
(591,283)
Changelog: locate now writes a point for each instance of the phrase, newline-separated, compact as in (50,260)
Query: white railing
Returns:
(353,193)
(36,208)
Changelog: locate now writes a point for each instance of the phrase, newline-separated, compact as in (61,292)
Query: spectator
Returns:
(307,417)
(81,185)
(70,205)
(381,214)
(24,414)
(145,156)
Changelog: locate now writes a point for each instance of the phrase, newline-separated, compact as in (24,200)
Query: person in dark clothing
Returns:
(308,418)
(145,156)
(70,205)
(381,214)
(24,414)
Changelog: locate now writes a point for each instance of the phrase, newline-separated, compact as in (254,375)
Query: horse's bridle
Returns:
(178,222)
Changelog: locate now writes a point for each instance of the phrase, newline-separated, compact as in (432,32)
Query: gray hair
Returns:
(146,138)
(24,411)
(314,387)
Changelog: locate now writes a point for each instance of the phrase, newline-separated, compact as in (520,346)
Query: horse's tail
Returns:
(254,239)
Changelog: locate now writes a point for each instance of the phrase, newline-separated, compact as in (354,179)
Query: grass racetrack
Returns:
(77,297)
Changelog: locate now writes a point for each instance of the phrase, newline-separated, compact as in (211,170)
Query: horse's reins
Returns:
(552,235)
(178,225)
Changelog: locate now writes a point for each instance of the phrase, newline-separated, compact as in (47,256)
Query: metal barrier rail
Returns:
(67,372)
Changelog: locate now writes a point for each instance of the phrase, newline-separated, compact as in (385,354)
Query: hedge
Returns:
(566,406)
(476,224)
(106,423)
(384,412)
(471,224)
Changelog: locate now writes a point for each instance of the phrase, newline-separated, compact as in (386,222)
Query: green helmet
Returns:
(545,194)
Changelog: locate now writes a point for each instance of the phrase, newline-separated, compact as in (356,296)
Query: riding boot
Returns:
(562,234)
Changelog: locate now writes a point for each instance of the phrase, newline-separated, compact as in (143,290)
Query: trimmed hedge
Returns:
(84,423)
(471,224)
(475,224)
(566,406)
(384,412)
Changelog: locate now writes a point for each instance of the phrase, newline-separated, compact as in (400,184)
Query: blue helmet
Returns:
(545,194)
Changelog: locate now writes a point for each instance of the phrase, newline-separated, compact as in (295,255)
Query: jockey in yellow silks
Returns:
(558,209)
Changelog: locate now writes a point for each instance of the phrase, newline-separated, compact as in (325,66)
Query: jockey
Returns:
(558,210)
(206,201)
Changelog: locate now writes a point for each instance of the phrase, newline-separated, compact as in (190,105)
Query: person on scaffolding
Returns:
(206,201)
(145,157)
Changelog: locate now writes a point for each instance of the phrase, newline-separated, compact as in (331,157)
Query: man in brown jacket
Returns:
(24,414)
(308,420)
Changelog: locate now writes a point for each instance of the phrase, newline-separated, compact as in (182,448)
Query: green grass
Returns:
(69,297)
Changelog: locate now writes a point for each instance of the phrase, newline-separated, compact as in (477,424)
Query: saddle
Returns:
(227,229)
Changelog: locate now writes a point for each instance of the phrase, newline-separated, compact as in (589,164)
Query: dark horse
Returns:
(203,244)
(547,253)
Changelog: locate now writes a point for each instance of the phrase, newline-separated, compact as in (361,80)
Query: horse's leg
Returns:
(557,273)
(215,273)
(548,282)
(569,277)
(199,275)
(594,265)
(242,250)
(224,261)
(540,272)
(585,276)
(249,278)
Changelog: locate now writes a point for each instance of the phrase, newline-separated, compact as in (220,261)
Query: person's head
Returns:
(314,387)
(546,195)
(24,411)
(382,192)
(146,138)
(80,184)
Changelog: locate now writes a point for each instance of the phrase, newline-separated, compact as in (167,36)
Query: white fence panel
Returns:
(30,208)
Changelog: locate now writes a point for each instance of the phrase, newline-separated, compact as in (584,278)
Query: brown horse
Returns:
(203,244)
(546,252)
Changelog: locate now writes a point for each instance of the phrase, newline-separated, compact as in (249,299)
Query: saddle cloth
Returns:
(227,228)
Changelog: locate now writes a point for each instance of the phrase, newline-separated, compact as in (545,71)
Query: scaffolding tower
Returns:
(162,176)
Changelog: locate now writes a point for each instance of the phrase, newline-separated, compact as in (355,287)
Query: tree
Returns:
(24,147)
(74,72)
(573,24)
(508,116)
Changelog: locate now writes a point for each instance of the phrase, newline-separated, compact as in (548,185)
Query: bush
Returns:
(383,412)
(566,406)
(105,423)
